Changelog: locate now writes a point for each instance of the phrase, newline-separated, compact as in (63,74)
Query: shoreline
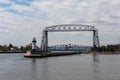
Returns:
(4,52)
(62,53)
(17,52)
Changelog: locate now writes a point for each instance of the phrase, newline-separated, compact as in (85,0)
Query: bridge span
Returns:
(68,28)
(44,48)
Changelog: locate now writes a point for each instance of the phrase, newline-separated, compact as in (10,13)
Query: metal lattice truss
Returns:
(96,42)
(69,27)
(65,28)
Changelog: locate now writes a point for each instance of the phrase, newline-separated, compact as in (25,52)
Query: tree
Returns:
(10,45)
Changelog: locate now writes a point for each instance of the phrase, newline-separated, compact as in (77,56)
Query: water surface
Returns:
(74,67)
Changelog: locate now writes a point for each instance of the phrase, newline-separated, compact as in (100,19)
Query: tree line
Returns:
(108,48)
(11,47)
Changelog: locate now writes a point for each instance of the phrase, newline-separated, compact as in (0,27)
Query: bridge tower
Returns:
(44,42)
(96,42)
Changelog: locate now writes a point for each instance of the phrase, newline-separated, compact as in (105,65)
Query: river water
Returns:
(73,67)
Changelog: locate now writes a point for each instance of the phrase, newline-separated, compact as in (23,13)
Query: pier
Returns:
(50,54)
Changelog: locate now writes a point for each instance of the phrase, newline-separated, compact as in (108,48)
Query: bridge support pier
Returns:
(96,43)
(44,43)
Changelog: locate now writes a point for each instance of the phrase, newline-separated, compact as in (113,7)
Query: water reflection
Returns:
(95,67)
(33,70)
(44,71)
(39,73)
(40,70)
(75,67)
(95,56)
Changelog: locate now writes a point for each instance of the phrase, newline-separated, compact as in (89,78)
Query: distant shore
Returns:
(5,52)
(106,52)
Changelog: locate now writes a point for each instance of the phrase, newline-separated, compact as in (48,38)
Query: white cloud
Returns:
(4,1)
(21,8)
(104,14)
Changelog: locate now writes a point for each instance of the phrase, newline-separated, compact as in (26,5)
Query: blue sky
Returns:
(21,20)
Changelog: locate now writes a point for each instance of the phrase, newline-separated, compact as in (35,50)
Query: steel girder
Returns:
(69,27)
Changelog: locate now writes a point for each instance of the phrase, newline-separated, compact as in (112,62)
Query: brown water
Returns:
(74,67)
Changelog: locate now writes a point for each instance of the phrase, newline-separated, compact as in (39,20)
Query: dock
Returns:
(50,54)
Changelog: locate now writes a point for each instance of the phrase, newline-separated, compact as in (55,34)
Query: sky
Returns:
(21,20)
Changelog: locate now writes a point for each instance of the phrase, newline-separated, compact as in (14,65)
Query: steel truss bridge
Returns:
(67,28)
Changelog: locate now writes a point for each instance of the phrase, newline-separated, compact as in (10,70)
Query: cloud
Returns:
(4,1)
(24,19)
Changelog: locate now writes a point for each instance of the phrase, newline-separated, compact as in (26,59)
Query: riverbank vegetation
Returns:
(12,48)
(109,48)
